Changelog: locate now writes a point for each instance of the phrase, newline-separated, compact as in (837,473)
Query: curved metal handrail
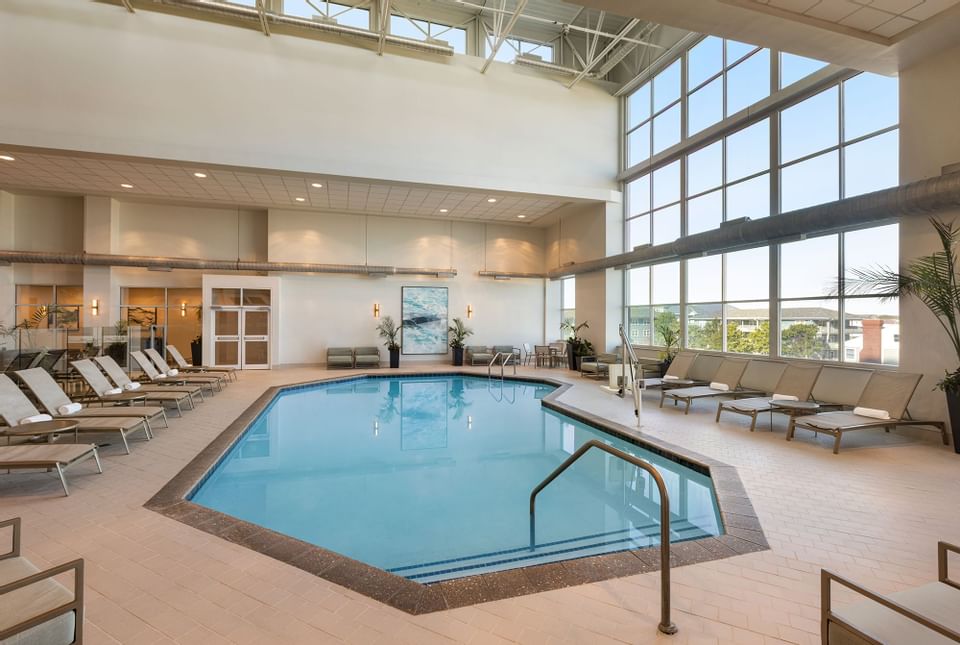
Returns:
(507,358)
(666,625)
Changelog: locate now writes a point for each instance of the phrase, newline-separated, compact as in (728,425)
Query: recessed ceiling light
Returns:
(492,200)
(7,158)
(444,210)
(126,185)
(317,184)
(200,175)
(521,217)
(300,199)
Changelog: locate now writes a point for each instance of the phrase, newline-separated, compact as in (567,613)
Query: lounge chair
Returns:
(677,371)
(795,384)
(151,372)
(15,407)
(23,361)
(598,366)
(56,402)
(34,607)
(366,357)
(478,354)
(725,382)
(701,371)
(49,359)
(184,366)
(506,350)
(163,368)
(926,614)
(883,404)
(106,393)
(339,358)
(120,378)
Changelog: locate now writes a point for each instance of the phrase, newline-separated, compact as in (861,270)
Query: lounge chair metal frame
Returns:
(827,615)
(60,465)
(75,606)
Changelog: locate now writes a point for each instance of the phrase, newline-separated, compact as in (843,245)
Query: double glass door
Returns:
(241,328)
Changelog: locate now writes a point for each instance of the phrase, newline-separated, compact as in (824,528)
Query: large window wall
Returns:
(828,141)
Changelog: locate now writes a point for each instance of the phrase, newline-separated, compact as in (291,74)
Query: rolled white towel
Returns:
(113,391)
(68,409)
(130,387)
(785,397)
(670,377)
(872,413)
(723,387)
(173,372)
(36,418)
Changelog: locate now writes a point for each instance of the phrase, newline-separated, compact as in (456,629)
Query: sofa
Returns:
(339,358)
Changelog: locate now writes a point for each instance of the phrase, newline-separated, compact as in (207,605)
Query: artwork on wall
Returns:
(424,311)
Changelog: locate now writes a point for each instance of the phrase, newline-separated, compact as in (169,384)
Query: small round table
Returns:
(792,409)
(48,429)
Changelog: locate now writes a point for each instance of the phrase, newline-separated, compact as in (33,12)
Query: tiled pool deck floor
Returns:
(874,512)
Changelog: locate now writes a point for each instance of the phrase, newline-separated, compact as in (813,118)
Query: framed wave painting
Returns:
(424,312)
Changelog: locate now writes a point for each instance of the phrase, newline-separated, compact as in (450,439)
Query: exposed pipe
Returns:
(506,275)
(250,13)
(149,262)
(917,198)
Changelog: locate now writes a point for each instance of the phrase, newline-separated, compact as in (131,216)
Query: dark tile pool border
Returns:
(742,530)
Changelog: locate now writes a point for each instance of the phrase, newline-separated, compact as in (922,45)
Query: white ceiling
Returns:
(45,170)
(886,18)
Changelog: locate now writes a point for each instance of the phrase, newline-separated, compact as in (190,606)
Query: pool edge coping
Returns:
(742,530)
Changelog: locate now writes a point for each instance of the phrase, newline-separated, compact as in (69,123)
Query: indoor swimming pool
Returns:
(429,477)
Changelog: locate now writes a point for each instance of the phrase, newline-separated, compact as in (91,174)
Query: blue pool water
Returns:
(429,477)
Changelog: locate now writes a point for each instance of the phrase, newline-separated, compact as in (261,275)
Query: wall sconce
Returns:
(469,311)
(183,310)
(95,307)
(376,310)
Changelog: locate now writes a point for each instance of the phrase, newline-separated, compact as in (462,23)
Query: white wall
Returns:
(320,311)
(191,232)
(929,140)
(48,223)
(91,76)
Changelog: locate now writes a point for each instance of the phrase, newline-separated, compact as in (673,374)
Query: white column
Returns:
(7,284)
(101,218)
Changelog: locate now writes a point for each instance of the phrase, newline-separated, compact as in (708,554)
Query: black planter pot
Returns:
(953,406)
(664,366)
(196,352)
(574,360)
(457,356)
(394,358)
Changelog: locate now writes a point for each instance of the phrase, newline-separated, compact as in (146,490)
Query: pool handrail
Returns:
(507,358)
(666,625)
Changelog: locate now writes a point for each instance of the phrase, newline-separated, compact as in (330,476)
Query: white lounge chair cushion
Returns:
(722,387)
(670,377)
(935,601)
(36,418)
(114,391)
(131,386)
(872,413)
(784,397)
(173,372)
(31,601)
(69,408)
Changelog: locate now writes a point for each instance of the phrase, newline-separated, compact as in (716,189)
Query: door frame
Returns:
(211,282)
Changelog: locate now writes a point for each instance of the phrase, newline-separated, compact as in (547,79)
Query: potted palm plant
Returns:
(389,331)
(458,333)
(667,330)
(577,347)
(931,279)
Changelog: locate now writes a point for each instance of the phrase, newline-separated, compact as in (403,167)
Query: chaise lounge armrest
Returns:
(33,605)
(884,613)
